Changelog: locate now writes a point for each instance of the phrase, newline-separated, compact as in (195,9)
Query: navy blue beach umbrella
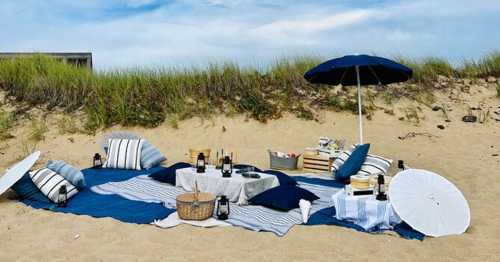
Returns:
(358,70)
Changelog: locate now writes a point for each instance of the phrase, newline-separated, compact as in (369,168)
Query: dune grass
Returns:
(148,97)
(489,65)
(38,129)
(67,125)
(6,123)
(428,69)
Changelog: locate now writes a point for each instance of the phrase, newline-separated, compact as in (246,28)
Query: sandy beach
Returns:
(466,154)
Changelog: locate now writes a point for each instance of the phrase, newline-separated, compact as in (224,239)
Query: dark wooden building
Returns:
(77,59)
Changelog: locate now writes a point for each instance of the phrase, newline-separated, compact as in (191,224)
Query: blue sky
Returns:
(148,33)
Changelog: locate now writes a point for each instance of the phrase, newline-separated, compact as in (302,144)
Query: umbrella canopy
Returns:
(429,203)
(373,70)
(16,172)
(358,70)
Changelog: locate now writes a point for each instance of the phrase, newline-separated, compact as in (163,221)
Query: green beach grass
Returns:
(6,123)
(148,97)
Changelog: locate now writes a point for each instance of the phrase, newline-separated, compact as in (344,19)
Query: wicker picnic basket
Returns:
(195,206)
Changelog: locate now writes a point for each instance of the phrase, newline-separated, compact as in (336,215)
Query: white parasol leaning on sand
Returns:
(429,203)
(16,172)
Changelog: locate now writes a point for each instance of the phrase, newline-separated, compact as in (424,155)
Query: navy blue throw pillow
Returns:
(283,198)
(283,178)
(353,164)
(167,174)
(26,189)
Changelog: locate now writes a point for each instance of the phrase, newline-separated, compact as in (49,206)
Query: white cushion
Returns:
(124,154)
(49,183)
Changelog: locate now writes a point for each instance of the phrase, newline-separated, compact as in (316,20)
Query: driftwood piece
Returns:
(415,134)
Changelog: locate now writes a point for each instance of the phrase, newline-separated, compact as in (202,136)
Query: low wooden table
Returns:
(237,188)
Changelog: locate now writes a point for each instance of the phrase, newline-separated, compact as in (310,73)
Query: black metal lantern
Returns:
(200,163)
(401,165)
(62,198)
(223,208)
(381,188)
(97,163)
(227,167)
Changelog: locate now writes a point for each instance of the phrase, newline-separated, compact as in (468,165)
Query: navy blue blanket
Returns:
(92,204)
(86,202)
(327,216)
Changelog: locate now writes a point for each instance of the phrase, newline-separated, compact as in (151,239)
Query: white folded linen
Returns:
(173,220)
(305,209)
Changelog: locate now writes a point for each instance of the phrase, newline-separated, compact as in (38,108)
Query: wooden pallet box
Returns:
(315,162)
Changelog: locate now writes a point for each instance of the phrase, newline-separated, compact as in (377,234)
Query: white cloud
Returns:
(315,25)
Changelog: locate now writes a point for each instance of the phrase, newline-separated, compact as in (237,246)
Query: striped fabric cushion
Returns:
(70,173)
(373,164)
(150,156)
(124,154)
(339,161)
(49,183)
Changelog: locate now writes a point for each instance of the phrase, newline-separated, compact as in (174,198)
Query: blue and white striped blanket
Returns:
(257,218)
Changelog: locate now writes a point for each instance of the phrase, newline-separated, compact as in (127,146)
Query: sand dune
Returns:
(461,152)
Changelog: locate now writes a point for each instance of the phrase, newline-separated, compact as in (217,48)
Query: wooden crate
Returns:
(317,163)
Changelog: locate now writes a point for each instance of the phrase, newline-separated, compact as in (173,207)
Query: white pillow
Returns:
(49,183)
(373,164)
(124,154)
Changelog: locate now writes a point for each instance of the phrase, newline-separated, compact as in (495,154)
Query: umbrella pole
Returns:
(359,107)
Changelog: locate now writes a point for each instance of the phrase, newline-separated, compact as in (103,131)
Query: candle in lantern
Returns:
(227,167)
(381,188)
(97,162)
(223,208)
(62,199)
(200,163)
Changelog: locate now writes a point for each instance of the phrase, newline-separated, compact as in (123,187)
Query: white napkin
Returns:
(173,220)
(305,208)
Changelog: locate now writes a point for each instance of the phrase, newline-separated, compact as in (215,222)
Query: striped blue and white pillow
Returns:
(150,156)
(124,154)
(373,164)
(49,183)
(70,173)
(339,161)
